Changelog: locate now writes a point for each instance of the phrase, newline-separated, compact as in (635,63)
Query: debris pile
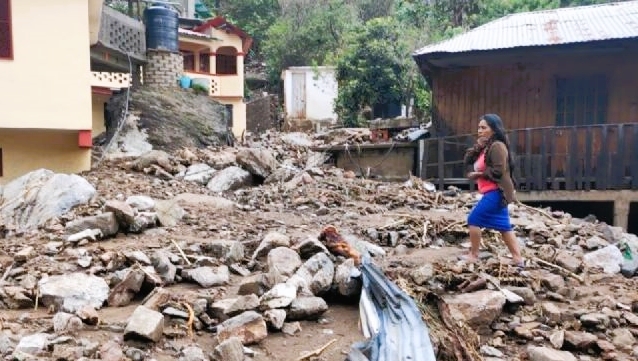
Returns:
(226,244)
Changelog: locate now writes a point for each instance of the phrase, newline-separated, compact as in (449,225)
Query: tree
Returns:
(373,69)
(307,33)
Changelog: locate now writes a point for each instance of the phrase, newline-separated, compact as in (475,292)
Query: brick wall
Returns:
(163,68)
(260,114)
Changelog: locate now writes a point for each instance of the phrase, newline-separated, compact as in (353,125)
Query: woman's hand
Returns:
(474,175)
(482,141)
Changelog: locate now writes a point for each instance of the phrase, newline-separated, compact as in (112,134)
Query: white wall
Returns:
(320,95)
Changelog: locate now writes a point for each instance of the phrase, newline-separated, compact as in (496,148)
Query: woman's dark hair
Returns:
(496,124)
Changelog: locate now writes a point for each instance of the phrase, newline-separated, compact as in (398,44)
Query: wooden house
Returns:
(565,83)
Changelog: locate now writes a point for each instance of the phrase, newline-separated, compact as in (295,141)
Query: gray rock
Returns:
(548,354)
(595,319)
(315,276)
(291,328)
(526,293)
(33,344)
(249,327)
(141,203)
(309,247)
(422,274)
(124,213)
(227,251)
(275,318)
(38,196)
(169,213)
(71,292)
(66,322)
(229,179)
(258,161)
(125,290)
(229,350)
(608,258)
(567,261)
(271,240)
(163,266)
(254,284)
(145,324)
(347,279)
(306,308)
(143,221)
(478,309)
(6,344)
(283,260)
(208,276)
(226,308)
(279,296)
(105,222)
(199,173)
(192,353)
(111,351)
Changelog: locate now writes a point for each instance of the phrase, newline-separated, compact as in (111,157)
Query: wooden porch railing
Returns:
(600,157)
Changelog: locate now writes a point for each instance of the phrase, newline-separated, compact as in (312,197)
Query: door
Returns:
(298,106)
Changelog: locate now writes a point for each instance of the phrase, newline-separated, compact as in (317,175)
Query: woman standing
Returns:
(493,165)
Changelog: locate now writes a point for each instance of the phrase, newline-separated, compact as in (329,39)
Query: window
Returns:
(581,100)
(226,61)
(6,39)
(229,115)
(204,62)
(189,60)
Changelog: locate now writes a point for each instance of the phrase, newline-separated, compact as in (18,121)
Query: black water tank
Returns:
(161,28)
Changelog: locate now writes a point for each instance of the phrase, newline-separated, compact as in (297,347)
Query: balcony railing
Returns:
(601,157)
(110,80)
(219,85)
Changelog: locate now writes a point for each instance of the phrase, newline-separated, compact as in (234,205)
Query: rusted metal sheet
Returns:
(546,28)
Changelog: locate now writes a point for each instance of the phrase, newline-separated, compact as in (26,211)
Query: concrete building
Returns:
(45,89)
(214,53)
(564,83)
(309,96)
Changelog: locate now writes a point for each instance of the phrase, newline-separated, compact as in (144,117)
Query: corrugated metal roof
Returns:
(193,33)
(545,28)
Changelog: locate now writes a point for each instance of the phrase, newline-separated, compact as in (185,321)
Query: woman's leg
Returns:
(475,240)
(510,241)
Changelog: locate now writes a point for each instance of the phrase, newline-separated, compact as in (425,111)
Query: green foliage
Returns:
(373,68)
(252,16)
(306,34)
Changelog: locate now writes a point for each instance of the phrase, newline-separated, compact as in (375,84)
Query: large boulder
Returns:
(31,200)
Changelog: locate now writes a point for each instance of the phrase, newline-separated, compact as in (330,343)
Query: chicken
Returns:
(337,245)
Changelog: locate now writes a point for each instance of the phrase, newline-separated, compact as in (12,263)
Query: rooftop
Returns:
(546,28)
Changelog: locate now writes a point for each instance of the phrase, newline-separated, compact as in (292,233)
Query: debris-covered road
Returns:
(214,253)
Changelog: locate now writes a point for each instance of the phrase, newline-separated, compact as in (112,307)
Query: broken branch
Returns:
(181,252)
(559,268)
(191,318)
(316,352)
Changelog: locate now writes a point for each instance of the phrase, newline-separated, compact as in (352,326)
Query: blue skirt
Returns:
(490,213)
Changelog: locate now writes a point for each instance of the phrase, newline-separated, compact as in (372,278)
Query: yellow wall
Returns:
(27,150)
(239,114)
(227,39)
(47,84)
(97,102)
(229,89)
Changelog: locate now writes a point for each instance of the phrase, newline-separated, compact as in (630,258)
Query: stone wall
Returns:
(163,68)
(260,114)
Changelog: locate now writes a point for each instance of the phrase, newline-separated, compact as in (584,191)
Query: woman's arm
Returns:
(496,166)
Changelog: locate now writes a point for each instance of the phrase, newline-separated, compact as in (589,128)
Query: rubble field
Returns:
(214,254)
